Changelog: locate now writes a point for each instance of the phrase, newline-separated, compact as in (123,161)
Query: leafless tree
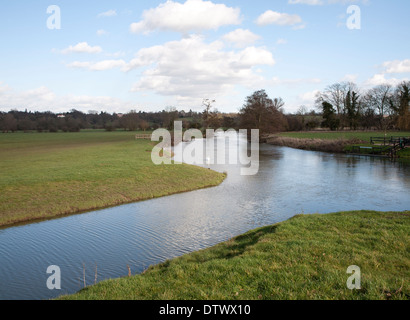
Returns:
(143,125)
(9,123)
(278,104)
(130,121)
(168,116)
(378,99)
(335,94)
(207,115)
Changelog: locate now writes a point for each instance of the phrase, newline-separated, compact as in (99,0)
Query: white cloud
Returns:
(191,68)
(38,97)
(43,99)
(397,66)
(309,97)
(295,82)
(280,19)
(308,2)
(107,65)
(145,57)
(348,1)
(103,103)
(322,2)
(82,47)
(4,88)
(115,54)
(350,77)
(241,38)
(43,93)
(79,64)
(281,41)
(379,79)
(306,99)
(193,15)
(277,18)
(98,66)
(101,32)
(109,13)
(299,27)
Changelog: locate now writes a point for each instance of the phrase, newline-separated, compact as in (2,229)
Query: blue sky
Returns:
(118,56)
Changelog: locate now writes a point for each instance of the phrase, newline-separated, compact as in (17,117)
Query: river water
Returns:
(103,244)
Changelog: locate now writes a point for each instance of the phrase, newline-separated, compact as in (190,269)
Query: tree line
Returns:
(339,106)
(383,107)
(75,120)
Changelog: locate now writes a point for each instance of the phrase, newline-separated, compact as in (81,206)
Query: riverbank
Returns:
(335,146)
(335,142)
(304,258)
(48,175)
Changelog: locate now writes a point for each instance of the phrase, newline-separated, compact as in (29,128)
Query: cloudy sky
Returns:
(117,56)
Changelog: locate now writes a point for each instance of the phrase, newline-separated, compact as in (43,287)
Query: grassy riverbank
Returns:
(345,135)
(305,257)
(44,175)
(336,142)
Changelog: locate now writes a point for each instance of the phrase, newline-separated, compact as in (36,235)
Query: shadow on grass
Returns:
(232,248)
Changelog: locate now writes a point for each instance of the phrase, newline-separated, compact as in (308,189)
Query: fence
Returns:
(386,146)
(143,136)
(391,140)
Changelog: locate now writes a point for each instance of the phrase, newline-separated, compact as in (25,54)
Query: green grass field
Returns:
(304,258)
(45,175)
(341,141)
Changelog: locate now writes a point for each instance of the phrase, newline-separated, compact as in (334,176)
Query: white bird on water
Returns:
(208,161)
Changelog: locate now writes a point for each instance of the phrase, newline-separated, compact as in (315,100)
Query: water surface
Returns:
(141,234)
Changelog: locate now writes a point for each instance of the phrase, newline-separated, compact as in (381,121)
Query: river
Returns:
(103,244)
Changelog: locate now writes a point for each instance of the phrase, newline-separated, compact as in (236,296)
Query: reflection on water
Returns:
(289,182)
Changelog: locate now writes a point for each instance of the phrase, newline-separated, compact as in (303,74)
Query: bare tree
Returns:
(143,125)
(278,104)
(301,116)
(168,116)
(335,94)
(130,121)
(9,123)
(379,99)
(207,115)
(303,110)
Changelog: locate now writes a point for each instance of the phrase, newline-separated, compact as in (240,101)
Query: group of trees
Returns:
(72,121)
(263,113)
(339,106)
(43,121)
(75,120)
(344,105)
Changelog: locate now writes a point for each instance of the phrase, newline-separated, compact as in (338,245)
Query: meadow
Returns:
(46,175)
(304,258)
(335,142)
